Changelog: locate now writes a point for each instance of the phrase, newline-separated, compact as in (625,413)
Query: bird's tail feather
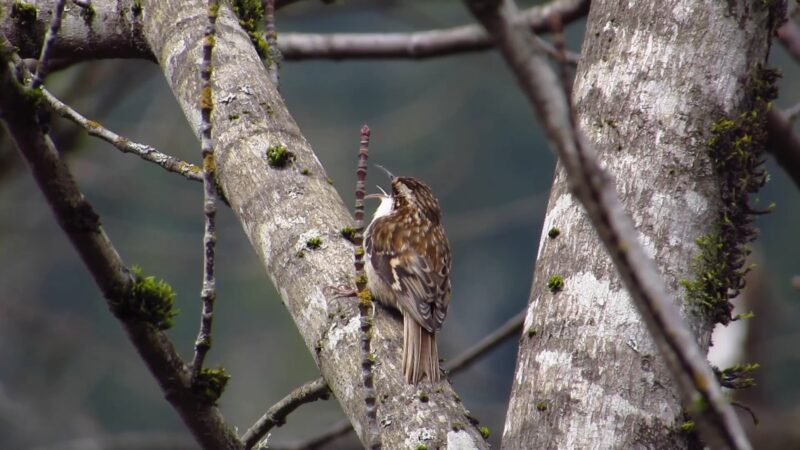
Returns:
(420,355)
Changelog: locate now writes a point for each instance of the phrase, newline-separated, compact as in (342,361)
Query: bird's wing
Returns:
(415,266)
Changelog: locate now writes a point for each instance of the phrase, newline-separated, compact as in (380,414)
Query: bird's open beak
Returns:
(382,195)
(385,170)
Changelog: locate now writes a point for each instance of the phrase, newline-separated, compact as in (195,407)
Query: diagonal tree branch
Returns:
(293,217)
(594,188)
(784,144)
(144,151)
(77,218)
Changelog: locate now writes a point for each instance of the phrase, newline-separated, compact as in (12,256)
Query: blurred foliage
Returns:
(460,123)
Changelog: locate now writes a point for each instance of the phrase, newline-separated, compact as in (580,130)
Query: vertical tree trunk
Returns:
(653,79)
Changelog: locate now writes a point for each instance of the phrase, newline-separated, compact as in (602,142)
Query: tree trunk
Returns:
(653,79)
(280,209)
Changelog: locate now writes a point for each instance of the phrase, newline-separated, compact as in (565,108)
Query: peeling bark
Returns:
(652,80)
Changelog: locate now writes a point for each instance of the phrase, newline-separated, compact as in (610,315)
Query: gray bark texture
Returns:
(653,78)
(281,209)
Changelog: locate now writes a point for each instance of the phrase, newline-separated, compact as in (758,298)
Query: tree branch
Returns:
(144,151)
(276,415)
(77,218)
(594,188)
(285,205)
(423,44)
(784,144)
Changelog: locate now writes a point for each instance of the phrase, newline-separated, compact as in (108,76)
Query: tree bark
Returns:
(280,209)
(652,80)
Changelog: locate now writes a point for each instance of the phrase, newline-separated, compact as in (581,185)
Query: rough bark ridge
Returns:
(587,373)
(281,208)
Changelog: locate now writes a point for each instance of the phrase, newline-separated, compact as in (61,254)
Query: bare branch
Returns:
(50,37)
(209,292)
(424,44)
(784,144)
(512,327)
(274,56)
(146,152)
(276,415)
(593,187)
(82,225)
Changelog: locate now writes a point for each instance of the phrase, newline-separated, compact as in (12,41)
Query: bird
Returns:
(408,268)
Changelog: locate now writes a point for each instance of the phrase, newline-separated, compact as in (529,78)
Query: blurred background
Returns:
(69,378)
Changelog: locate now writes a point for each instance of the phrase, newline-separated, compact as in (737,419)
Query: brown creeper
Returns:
(408,268)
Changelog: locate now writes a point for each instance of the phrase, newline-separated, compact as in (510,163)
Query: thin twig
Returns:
(366,308)
(274,56)
(77,218)
(423,44)
(276,414)
(49,38)
(511,327)
(209,292)
(593,187)
(146,152)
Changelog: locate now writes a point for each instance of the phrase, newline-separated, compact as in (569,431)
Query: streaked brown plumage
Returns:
(408,268)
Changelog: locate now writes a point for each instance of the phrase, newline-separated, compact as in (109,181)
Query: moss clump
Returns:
(359,251)
(485,432)
(279,156)
(554,232)
(555,283)
(314,243)
(365,297)
(210,384)
(361,279)
(349,233)
(233,117)
(423,397)
(457,426)
(736,149)
(149,301)
(300,254)
(24,14)
(305,171)
(687,426)
(250,13)
(421,447)
(541,406)
(736,377)
(531,332)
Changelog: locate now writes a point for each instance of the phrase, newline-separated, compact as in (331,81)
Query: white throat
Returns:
(385,208)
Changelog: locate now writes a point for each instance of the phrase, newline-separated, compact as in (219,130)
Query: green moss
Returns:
(541,406)
(359,251)
(423,397)
(687,426)
(233,117)
(24,14)
(136,8)
(421,447)
(314,243)
(305,171)
(738,376)
(554,232)
(365,297)
(485,432)
(210,384)
(250,13)
(736,149)
(531,332)
(149,301)
(349,233)
(457,426)
(555,283)
(300,254)
(279,156)
(87,14)
(361,279)
(34,97)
